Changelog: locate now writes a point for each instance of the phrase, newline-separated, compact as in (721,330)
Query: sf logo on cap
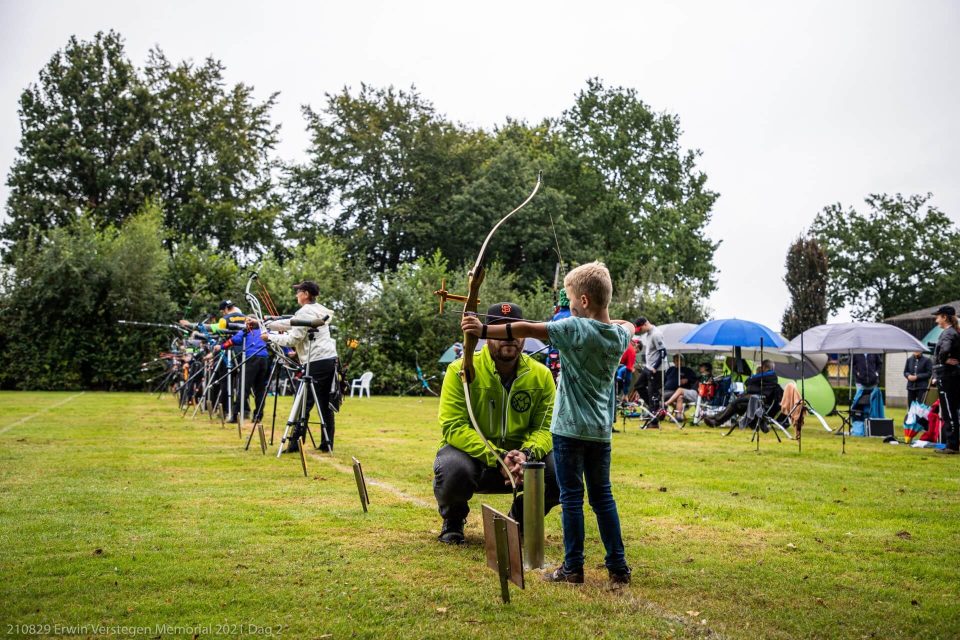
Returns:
(505,309)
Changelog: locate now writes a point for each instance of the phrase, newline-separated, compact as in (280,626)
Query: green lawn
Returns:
(117,512)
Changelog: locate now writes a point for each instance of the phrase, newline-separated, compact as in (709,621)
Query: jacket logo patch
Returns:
(520,401)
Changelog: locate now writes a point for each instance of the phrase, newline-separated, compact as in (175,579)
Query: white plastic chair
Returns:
(362,384)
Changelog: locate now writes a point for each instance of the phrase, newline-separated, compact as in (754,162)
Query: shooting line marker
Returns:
(361,484)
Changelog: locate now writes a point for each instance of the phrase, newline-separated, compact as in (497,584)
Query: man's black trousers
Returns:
(322,372)
(257,371)
(915,395)
(950,410)
(457,476)
(737,407)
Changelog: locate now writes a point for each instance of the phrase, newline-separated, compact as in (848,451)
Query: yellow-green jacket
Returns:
(514,419)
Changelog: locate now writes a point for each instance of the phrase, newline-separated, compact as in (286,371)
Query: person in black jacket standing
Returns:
(866,370)
(946,371)
(917,371)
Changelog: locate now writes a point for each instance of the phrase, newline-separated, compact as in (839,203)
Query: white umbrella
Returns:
(854,337)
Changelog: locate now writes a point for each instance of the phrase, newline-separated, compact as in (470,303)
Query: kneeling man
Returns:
(512,400)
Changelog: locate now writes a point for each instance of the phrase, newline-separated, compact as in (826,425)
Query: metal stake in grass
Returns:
(361,484)
(503,557)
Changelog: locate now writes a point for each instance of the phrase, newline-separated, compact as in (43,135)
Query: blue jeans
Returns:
(575,460)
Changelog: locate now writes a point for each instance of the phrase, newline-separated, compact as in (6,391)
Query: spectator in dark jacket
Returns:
(678,376)
(866,369)
(917,371)
(763,383)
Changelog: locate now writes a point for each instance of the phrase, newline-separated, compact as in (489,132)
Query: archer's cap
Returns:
(504,312)
(945,310)
(639,322)
(309,286)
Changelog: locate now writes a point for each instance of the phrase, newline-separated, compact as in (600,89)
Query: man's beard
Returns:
(498,353)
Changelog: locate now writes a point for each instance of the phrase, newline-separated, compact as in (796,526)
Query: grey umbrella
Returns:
(854,337)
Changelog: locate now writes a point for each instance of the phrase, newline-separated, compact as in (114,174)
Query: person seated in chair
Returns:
(677,379)
(687,391)
(763,383)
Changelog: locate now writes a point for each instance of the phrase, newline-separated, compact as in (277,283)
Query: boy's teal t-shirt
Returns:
(586,400)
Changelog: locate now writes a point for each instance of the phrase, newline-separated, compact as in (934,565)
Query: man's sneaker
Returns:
(560,574)
(948,451)
(710,421)
(619,579)
(452,532)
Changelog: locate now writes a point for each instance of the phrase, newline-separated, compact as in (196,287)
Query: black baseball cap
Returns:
(309,286)
(226,304)
(945,310)
(639,322)
(504,312)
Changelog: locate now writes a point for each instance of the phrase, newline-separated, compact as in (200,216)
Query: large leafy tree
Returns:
(650,202)
(383,167)
(101,136)
(214,162)
(85,142)
(902,254)
(806,279)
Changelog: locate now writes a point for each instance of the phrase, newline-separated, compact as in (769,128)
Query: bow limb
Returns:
(467,371)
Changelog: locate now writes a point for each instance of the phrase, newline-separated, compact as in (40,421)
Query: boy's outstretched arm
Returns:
(472,324)
(626,324)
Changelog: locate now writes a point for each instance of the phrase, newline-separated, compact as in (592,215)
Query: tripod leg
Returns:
(774,429)
(253,429)
(295,412)
(303,456)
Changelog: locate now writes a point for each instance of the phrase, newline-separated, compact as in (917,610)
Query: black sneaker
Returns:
(619,579)
(560,574)
(452,532)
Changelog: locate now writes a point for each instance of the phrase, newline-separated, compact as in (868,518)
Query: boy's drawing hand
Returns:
(471,324)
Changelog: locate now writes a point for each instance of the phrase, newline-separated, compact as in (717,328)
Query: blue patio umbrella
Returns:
(733,332)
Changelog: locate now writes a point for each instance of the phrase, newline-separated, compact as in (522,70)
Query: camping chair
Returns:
(634,410)
(712,397)
(761,412)
(361,384)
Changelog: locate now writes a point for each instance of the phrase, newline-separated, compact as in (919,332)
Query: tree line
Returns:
(899,255)
(151,192)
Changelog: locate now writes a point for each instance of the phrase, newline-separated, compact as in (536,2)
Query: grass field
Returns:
(118,517)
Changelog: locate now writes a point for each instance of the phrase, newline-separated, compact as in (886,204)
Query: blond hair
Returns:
(592,280)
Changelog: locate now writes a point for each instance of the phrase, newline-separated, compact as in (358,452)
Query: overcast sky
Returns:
(794,105)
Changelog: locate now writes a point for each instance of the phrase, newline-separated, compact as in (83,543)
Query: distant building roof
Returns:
(918,323)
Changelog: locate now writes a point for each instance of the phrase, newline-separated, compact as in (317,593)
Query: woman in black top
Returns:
(917,370)
(946,370)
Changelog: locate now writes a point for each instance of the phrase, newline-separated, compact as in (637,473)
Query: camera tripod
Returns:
(299,419)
